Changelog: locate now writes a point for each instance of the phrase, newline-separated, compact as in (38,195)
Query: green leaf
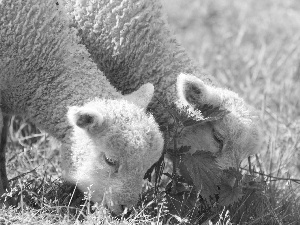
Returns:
(232,173)
(229,195)
(204,171)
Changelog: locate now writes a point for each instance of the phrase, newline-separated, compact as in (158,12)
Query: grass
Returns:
(251,47)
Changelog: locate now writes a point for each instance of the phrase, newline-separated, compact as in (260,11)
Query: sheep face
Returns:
(114,142)
(232,138)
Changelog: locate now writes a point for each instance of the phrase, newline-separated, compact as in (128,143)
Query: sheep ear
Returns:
(86,119)
(193,91)
(142,96)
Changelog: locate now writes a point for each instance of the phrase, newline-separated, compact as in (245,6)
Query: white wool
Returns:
(44,71)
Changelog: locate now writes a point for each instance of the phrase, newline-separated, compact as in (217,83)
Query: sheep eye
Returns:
(110,161)
(218,138)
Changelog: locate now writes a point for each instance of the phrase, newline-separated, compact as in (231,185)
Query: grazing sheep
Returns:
(131,43)
(108,140)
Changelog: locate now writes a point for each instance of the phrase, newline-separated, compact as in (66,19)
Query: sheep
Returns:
(132,44)
(108,140)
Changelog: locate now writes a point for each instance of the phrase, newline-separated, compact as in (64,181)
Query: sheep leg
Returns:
(3,136)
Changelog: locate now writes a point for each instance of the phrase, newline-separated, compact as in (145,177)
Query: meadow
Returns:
(251,47)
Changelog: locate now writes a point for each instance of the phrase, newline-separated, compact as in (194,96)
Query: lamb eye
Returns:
(110,161)
(218,138)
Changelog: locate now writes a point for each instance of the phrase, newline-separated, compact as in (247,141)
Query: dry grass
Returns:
(251,47)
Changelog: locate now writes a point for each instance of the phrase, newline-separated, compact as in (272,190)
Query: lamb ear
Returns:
(142,96)
(193,91)
(86,119)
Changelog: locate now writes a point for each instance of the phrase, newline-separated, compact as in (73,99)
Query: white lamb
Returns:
(131,43)
(45,75)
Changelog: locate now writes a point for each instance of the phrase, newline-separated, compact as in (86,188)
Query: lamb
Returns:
(108,140)
(132,44)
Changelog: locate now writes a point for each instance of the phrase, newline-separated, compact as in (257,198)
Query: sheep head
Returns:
(114,142)
(231,138)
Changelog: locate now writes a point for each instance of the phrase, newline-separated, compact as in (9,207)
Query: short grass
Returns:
(251,47)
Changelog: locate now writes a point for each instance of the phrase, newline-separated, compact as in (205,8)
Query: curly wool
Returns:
(131,43)
(37,50)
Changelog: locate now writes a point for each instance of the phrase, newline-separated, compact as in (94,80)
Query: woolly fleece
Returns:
(131,43)
(44,71)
